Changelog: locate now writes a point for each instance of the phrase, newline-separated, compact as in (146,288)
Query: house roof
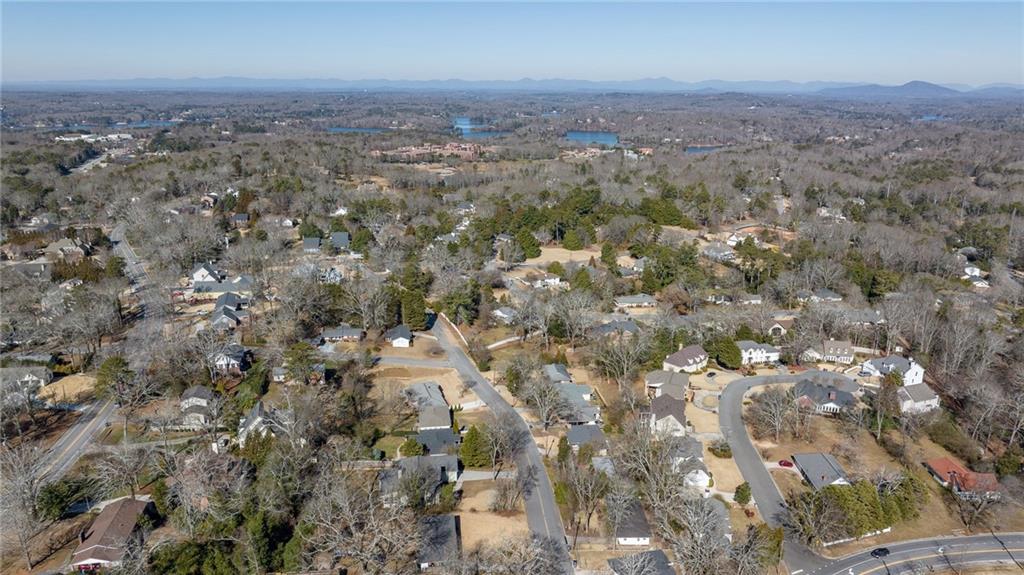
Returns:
(638,299)
(24,373)
(198,392)
(616,326)
(667,406)
(557,372)
(398,332)
(635,524)
(341,331)
(962,478)
(230,299)
(917,393)
(820,469)
(821,393)
(688,356)
(105,539)
(310,243)
(669,382)
(439,538)
(891,363)
(434,416)
(575,393)
(426,393)
(654,563)
(438,441)
(837,347)
(747,345)
(340,240)
(584,434)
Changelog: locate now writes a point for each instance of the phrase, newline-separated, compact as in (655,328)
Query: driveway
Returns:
(541,510)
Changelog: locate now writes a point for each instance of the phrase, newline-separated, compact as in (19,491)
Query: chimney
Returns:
(831,395)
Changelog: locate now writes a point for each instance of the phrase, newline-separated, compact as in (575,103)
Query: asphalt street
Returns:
(541,510)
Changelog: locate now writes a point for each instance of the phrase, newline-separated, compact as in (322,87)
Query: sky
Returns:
(971,43)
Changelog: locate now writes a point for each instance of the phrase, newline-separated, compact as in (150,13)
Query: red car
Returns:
(785,463)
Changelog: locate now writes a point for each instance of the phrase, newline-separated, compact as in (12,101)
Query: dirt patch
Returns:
(482,526)
(701,420)
(49,426)
(71,389)
(558,254)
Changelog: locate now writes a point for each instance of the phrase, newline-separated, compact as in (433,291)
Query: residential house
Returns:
(226,318)
(311,245)
(745,298)
(439,441)
(240,284)
(719,252)
(399,336)
(232,300)
(342,332)
(557,373)
(592,435)
(647,563)
(909,370)
(205,273)
(820,470)
(964,483)
(440,540)
(425,393)
(634,529)
(341,241)
(434,417)
(615,328)
(504,314)
(781,327)
(663,382)
(28,377)
(197,403)
(233,359)
(104,544)
(667,415)
(818,296)
(831,351)
(822,397)
(578,397)
(917,398)
(279,374)
(67,249)
(757,353)
(438,471)
(627,302)
(690,359)
(542,280)
(257,422)
(240,220)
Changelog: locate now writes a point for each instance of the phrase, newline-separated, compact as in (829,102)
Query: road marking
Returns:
(87,429)
(795,572)
(888,565)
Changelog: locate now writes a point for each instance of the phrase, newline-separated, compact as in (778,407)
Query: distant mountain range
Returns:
(915,89)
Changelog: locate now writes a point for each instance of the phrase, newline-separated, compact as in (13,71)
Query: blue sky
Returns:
(967,42)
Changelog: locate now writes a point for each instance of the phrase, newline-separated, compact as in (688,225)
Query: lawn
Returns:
(482,526)
(389,445)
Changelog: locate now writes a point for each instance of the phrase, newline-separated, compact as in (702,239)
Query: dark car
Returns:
(880,552)
(711,374)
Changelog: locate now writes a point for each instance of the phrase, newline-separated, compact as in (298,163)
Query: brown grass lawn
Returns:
(723,470)
(50,425)
(788,481)
(558,254)
(702,421)
(71,389)
(482,526)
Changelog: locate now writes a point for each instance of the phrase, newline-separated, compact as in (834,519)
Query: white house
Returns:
(399,336)
(635,301)
(917,398)
(667,416)
(196,406)
(205,272)
(634,530)
(755,353)
(831,351)
(911,371)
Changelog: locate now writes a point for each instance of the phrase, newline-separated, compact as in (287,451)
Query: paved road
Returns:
(923,555)
(414,362)
(63,455)
(766,495)
(541,510)
(904,557)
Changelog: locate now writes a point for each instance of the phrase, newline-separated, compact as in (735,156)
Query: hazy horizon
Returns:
(974,44)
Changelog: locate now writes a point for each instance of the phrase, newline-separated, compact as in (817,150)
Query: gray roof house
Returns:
(647,563)
(311,245)
(399,336)
(557,373)
(342,332)
(690,359)
(661,382)
(425,393)
(440,540)
(580,435)
(434,417)
(634,529)
(822,397)
(438,441)
(341,240)
(615,327)
(820,469)
(578,398)
(638,300)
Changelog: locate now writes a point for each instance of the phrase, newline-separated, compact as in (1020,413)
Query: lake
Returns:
(347,130)
(701,149)
(471,130)
(609,139)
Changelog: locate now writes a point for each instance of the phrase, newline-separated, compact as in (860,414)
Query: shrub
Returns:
(947,434)
(742,495)
(720,448)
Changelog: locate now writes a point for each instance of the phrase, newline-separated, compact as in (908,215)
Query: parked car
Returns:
(785,463)
(880,552)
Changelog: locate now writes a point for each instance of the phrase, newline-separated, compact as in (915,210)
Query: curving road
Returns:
(541,510)
(905,557)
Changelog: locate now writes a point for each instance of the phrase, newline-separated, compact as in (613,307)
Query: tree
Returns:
(618,500)
(726,353)
(742,495)
(20,485)
(588,487)
(530,245)
(619,356)
(545,399)
(410,448)
(573,310)
(770,412)
(414,310)
(131,391)
(122,468)
(301,357)
(474,450)
(572,241)
(506,439)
